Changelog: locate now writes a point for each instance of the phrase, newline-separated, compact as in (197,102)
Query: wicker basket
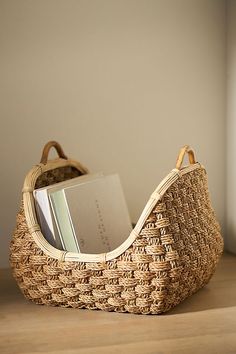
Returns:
(171,253)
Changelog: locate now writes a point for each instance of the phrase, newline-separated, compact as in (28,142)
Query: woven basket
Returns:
(171,253)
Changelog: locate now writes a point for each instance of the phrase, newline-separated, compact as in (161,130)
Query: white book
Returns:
(45,218)
(45,213)
(92,216)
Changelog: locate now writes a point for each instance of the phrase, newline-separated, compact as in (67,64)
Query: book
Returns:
(44,212)
(85,214)
(92,217)
(63,221)
(45,218)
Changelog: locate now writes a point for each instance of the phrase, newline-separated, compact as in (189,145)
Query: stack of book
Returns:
(85,214)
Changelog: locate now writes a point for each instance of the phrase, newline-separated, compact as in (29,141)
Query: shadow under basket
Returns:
(171,253)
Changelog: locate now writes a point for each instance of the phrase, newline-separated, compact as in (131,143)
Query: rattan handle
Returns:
(185,149)
(47,148)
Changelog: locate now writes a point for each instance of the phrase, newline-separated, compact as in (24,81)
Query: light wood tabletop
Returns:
(204,323)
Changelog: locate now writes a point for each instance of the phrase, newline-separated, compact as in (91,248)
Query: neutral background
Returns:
(230,231)
(122,85)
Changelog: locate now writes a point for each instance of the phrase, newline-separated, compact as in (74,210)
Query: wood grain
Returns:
(204,323)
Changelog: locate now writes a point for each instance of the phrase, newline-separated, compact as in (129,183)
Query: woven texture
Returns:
(174,255)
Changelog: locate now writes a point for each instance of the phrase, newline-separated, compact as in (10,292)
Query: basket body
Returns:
(174,254)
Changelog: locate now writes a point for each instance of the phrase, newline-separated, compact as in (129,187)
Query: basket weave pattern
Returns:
(174,255)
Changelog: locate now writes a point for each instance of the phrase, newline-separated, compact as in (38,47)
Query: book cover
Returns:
(62,218)
(46,219)
(99,214)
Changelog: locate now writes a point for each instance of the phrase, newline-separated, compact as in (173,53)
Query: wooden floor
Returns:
(205,323)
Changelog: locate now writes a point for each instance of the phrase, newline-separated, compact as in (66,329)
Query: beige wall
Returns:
(231,128)
(121,84)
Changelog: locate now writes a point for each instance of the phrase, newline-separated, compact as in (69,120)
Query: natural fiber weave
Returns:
(174,254)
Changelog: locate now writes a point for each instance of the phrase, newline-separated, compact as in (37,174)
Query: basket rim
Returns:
(51,251)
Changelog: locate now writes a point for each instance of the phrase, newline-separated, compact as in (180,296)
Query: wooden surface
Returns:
(204,323)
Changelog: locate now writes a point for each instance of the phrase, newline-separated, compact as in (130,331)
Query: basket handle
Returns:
(47,148)
(185,149)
